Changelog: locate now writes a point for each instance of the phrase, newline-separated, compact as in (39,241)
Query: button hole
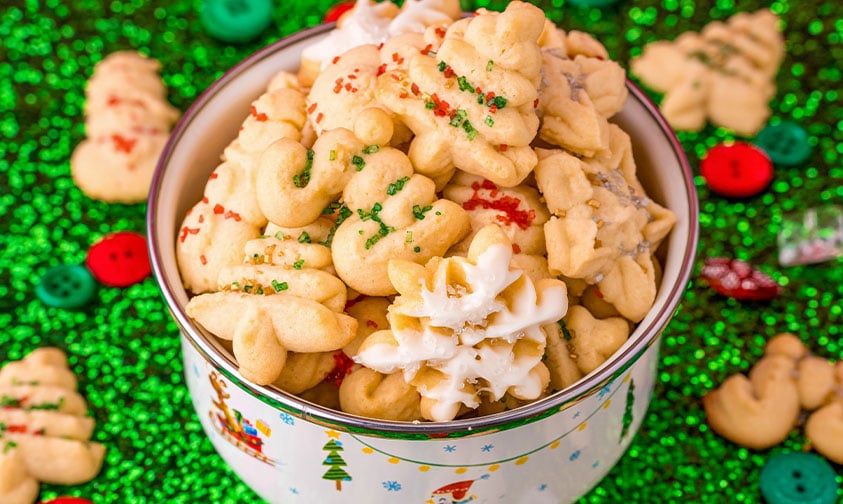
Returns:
(800,489)
(797,474)
(128,253)
(112,256)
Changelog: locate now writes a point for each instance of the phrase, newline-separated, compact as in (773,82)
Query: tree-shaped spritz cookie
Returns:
(604,228)
(725,74)
(472,103)
(216,229)
(578,94)
(127,122)
(466,326)
(281,298)
(395,214)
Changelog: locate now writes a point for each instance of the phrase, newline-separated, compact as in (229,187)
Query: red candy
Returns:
(119,259)
(68,500)
(738,170)
(737,279)
(335,12)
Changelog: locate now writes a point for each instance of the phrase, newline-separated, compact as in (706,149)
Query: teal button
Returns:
(786,143)
(236,20)
(798,478)
(66,286)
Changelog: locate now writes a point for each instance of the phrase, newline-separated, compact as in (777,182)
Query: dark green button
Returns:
(236,20)
(798,478)
(66,286)
(786,143)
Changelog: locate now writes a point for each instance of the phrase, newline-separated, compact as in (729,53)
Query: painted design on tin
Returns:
(233,426)
(334,460)
(455,493)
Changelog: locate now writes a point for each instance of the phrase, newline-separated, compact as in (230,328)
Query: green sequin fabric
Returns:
(126,351)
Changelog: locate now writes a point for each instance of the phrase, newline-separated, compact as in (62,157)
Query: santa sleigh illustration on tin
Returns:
(455,493)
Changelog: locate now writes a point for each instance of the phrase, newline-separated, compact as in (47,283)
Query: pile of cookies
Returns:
(45,433)
(383,165)
(762,410)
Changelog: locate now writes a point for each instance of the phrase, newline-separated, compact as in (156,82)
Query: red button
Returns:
(737,279)
(68,500)
(737,170)
(335,12)
(119,259)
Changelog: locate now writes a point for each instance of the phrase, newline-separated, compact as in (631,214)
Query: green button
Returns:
(236,20)
(66,286)
(786,143)
(798,478)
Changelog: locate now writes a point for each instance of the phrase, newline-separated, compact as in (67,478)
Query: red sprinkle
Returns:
(439,31)
(372,324)
(449,72)
(342,367)
(123,144)
(516,249)
(414,88)
(503,147)
(598,293)
(381,69)
(260,117)
(311,108)
(232,215)
(336,58)
(204,199)
(186,231)
(218,209)
(427,49)
(536,103)
(16,428)
(506,204)
(201,219)
(213,176)
(320,117)
(203,260)
(380,46)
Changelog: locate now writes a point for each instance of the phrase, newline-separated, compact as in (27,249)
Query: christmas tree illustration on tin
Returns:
(336,463)
(627,413)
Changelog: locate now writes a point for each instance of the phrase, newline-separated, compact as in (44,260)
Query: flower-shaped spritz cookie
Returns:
(472,104)
(464,326)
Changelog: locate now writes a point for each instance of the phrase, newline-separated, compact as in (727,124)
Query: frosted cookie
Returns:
(128,121)
(724,74)
(465,324)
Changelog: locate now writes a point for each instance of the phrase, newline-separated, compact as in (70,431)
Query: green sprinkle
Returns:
(489,121)
(442,66)
(419,212)
(429,105)
(332,156)
(481,99)
(360,232)
(9,446)
(371,241)
(9,402)
(235,285)
(416,249)
(565,332)
(279,286)
(499,102)
(458,118)
(304,237)
(331,208)
(358,162)
(260,290)
(396,186)
(469,130)
(409,238)
(490,65)
(280,235)
(298,264)
(247,288)
(438,213)
(302,179)
(371,149)
(464,84)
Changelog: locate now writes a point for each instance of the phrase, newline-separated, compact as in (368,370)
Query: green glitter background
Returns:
(125,349)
